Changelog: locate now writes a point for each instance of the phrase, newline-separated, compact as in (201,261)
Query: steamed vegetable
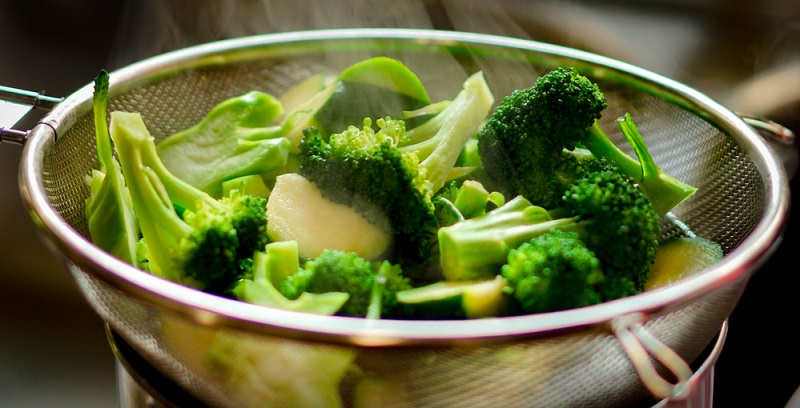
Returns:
(390,175)
(207,245)
(109,209)
(233,140)
(539,139)
(355,194)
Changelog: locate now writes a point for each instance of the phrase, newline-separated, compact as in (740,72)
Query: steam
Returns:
(153,27)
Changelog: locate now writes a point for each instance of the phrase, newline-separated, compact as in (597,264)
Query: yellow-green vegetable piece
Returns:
(386,73)
(297,211)
(681,257)
(252,184)
(461,299)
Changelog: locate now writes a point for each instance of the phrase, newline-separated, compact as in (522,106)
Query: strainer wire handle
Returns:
(27,100)
(640,344)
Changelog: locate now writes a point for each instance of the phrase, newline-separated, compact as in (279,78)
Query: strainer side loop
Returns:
(638,342)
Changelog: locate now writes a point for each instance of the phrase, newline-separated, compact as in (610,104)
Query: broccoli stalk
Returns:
(233,140)
(109,209)
(538,140)
(607,211)
(439,141)
(207,246)
(664,191)
(476,248)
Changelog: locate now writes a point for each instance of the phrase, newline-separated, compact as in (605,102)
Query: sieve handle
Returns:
(14,105)
(780,138)
(640,345)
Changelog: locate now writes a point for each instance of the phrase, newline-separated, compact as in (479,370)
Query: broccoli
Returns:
(207,246)
(233,140)
(372,285)
(606,209)
(273,371)
(386,177)
(537,139)
(252,184)
(271,266)
(109,209)
(457,299)
(554,271)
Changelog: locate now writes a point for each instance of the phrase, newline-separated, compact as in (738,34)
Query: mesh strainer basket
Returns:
(618,353)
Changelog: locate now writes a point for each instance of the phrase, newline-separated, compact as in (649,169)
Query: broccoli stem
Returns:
(664,191)
(478,247)
(109,210)
(375,307)
(442,138)
(160,225)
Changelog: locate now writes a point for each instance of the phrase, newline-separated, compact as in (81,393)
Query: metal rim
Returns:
(212,311)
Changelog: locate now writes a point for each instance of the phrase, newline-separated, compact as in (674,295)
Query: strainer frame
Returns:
(212,311)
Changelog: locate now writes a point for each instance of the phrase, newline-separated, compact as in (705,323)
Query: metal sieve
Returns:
(619,353)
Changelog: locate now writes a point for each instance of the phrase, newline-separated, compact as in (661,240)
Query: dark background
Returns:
(53,349)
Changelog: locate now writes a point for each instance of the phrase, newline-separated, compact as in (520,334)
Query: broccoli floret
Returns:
(606,209)
(537,139)
(385,176)
(207,246)
(233,140)
(554,271)
(372,285)
(222,239)
(109,209)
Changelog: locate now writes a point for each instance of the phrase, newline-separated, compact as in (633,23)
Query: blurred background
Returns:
(744,53)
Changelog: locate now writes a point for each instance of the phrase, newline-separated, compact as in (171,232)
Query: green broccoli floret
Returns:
(206,247)
(109,209)
(536,140)
(606,209)
(389,179)
(554,271)
(234,139)
(372,285)
(223,238)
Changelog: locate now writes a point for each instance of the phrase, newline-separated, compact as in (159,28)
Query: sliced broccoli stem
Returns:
(109,210)
(442,138)
(476,248)
(375,308)
(161,227)
(664,191)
